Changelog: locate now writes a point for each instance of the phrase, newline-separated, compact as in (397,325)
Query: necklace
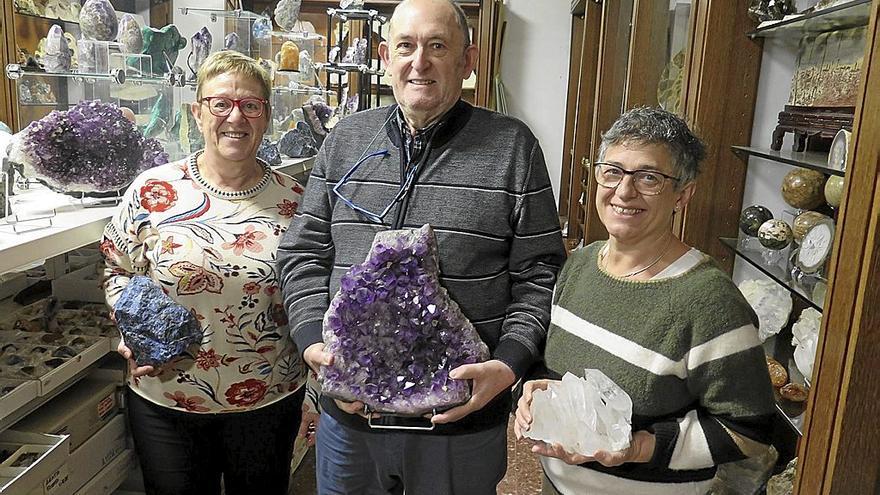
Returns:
(642,269)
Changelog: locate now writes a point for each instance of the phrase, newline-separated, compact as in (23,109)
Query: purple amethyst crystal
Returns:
(155,327)
(90,148)
(395,333)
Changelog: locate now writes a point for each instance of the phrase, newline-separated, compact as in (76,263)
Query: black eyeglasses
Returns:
(221,106)
(373,217)
(646,182)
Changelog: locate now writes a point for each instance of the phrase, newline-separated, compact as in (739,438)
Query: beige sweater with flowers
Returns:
(213,252)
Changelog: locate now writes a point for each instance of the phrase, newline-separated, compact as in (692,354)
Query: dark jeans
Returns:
(366,463)
(186,453)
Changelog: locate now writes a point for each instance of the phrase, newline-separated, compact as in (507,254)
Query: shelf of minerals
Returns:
(45,344)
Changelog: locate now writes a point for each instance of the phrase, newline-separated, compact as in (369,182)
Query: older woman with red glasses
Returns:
(660,320)
(206,230)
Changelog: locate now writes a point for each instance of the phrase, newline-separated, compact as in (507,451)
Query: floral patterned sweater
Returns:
(214,252)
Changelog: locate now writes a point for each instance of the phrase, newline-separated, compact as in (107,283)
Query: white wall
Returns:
(534,68)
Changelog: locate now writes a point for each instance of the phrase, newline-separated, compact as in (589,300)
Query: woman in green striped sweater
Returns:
(659,319)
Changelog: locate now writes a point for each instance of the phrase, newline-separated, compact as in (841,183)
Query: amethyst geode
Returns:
(395,333)
(155,327)
(89,148)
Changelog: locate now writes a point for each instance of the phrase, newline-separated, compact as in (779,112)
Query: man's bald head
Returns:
(456,10)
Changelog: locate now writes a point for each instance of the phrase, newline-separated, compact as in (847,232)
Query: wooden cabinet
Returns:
(638,52)
(724,58)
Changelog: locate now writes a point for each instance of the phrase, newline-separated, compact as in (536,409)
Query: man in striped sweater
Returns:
(479,179)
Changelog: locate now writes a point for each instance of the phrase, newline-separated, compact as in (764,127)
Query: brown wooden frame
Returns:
(8,92)
(719,103)
(583,65)
(840,451)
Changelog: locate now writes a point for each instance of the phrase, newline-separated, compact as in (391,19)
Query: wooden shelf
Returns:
(847,15)
(778,272)
(807,159)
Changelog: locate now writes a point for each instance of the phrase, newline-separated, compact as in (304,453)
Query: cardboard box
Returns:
(53,451)
(105,482)
(24,392)
(85,462)
(79,411)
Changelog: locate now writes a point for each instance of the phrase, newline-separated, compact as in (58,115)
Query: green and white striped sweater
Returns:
(686,350)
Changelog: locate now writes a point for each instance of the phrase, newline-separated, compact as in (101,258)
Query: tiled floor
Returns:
(523,471)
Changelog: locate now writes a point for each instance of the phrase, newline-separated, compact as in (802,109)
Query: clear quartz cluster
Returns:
(395,333)
(582,414)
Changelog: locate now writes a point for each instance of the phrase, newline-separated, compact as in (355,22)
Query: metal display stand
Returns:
(368,73)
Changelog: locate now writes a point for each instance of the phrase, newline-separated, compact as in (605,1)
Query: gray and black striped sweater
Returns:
(686,350)
(484,189)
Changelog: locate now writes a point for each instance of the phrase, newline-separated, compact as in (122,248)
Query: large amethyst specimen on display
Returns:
(90,148)
(395,332)
(154,326)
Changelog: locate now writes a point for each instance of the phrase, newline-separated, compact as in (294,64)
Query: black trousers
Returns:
(186,453)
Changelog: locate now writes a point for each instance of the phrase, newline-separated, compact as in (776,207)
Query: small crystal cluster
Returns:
(395,333)
(90,148)
(582,414)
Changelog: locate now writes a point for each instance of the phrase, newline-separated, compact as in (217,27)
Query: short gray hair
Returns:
(460,17)
(645,125)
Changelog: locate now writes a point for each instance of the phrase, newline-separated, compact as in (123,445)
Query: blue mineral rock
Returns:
(268,152)
(154,326)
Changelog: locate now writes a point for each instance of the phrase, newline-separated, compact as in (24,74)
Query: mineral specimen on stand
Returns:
(351,4)
(154,326)
(162,46)
(395,333)
(262,28)
(288,57)
(333,55)
(287,13)
(200,48)
(57,57)
(582,414)
(230,42)
(770,301)
(268,152)
(97,20)
(350,56)
(305,64)
(298,142)
(89,148)
(130,35)
(360,51)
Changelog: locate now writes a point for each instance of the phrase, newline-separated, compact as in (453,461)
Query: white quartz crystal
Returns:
(582,414)
(805,335)
(771,302)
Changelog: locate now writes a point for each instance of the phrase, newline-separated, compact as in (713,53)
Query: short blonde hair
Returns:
(230,61)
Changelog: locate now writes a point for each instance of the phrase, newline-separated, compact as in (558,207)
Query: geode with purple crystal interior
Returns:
(395,333)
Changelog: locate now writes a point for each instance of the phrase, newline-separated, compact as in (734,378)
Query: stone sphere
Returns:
(751,218)
(803,222)
(97,20)
(834,190)
(774,234)
(802,188)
